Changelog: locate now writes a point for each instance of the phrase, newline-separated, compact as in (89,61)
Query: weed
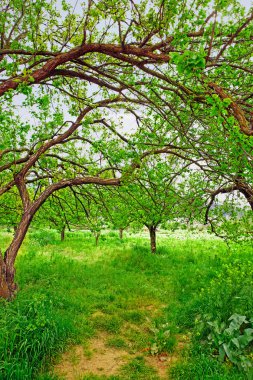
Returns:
(232,341)
(163,340)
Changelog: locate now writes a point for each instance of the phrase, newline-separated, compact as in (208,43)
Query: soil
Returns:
(99,359)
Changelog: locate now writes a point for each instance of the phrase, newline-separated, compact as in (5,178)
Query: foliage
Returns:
(228,292)
(153,98)
(115,288)
(189,62)
(29,332)
(90,92)
(233,341)
(163,339)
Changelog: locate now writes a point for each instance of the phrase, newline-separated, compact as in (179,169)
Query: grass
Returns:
(137,369)
(116,342)
(71,291)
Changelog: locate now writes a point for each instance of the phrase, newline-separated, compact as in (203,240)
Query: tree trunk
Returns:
(63,233)
(121,233)
(8,286)
(97,235)
(245,189)
(4,288)
(249,197)
(7,270)
(152,234)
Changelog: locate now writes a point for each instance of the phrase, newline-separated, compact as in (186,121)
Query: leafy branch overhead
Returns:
(91,92)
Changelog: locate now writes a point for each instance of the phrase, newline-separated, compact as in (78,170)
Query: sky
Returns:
(129,120)
(246,3)
(78,3)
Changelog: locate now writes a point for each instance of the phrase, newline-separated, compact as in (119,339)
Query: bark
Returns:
(152,234)
(8,286)
(97,236)
(246,190)
(249,199)
(7,270)
(234,109)
(63,233)
(121,233)
(109,49)
(4,288)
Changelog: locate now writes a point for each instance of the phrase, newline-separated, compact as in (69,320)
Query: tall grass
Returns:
(30,331)
(64,284)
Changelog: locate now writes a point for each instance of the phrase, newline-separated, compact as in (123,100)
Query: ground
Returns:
(118,312)
(108,354)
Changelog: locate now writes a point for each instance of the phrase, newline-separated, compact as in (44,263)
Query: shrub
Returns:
(224,310)
(229,292)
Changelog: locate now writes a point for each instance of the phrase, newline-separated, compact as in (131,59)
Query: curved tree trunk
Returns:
(121,233)
(8,286)
(152,234)
(4,288)
(7,270)
(248,193)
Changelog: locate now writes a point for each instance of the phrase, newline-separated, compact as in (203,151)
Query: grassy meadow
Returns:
(117,312)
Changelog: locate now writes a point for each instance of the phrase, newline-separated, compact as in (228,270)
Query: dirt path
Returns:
(99,359)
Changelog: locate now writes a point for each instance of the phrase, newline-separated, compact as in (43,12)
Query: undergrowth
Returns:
(71,290)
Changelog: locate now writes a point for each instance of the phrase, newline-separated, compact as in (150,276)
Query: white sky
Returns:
(78,3)
(128,119)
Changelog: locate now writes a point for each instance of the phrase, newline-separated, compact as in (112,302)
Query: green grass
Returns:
(137,369)
(71,291)
(116,342)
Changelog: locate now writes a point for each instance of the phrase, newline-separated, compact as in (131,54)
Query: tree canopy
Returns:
(89,92)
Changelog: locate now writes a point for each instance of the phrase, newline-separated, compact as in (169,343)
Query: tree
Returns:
(88,210)
(10,210)
(58,211)
(68,71)
(115,209)
(159,193)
